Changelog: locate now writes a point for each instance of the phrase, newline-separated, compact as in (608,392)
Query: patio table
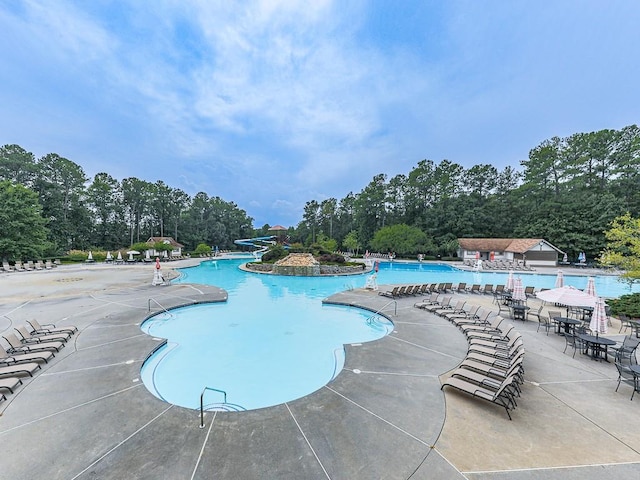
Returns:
(599,345)
(568,324)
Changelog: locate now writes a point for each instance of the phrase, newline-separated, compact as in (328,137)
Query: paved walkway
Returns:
(87,414)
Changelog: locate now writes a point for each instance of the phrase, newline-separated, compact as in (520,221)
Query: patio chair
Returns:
(628,376)
(570,340)
(626,352)
(460,288)
(39,328)
(546,322)
(624,322)
(529,291)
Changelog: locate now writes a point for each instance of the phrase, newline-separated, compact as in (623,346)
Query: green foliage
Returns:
(202,248)
(141,247)
(351,242)
(401,239)
(160,247)
(628,305)
(275,253)
(22,228)
(331,259)
(623,247)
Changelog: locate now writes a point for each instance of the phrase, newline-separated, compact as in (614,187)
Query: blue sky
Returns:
(272,103)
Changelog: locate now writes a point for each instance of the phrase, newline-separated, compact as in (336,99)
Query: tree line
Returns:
(49,206)
(567,191)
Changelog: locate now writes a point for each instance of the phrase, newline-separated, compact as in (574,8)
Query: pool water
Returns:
(274,341)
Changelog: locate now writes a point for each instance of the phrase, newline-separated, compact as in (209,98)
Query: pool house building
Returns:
(532,251)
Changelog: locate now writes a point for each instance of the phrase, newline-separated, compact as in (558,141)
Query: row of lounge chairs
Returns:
(27,266)
(493,367)
(426,288)
(27,350)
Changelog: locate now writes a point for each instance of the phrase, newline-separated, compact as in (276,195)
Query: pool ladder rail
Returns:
(220,407)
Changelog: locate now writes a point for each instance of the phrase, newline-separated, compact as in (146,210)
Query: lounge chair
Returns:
(7,267)
(18,266)
(502,396)
(6,359)
(10,383)
(475,288)
(460,288)
(432,300)
(393,293)
(488,289)
(443,305)
(28,337)
(16,346)
(21,369)
(529,291)
(447,287)
(39,328)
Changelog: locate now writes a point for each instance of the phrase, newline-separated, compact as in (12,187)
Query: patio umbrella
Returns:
(109,257)
(518,291)
(565,259)
(599,319)
(591,287)
(131,253)
(119,256)
(147,257)
(90,257)
(509,285)
(568,296)
(559,279)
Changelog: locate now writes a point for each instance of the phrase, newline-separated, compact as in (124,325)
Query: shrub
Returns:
(329,258)
(274,254)
(628,305)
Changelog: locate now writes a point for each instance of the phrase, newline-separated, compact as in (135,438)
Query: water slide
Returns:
(261,244)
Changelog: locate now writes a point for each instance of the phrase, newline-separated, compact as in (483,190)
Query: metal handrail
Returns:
(157,303)
(202,402)
(395,309)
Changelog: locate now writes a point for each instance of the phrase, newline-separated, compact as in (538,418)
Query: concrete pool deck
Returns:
(87,415)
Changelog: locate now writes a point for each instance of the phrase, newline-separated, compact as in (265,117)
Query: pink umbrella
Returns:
(599,318)
(518,291)
(559,279)
(509,285)
(568,296)
(591,287)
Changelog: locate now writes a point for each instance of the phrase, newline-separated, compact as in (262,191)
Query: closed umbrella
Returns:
(599,318)
(568,296)
(90,256)
(509,285)
(119,256)
(109,257)
(518,291)
(559,279)
(591,287)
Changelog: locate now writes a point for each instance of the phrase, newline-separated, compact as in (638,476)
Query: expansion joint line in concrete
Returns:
(399,374)
(107,365)
(111,302)
(119,444)
(404,432)
(204,444)
(308,442)
(70,409)
(591,421)
(542,469)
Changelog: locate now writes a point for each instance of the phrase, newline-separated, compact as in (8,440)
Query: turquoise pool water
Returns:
(274,341)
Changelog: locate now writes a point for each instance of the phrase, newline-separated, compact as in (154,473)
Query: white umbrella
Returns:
(131,253)
(509,285)
(109,257)
(591,287)
(568,296)
(518,291)
(559,279)
(599,318)
(147,256)
(119,256)
(90,257)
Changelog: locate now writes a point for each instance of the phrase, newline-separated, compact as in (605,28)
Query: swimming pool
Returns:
(274,341)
